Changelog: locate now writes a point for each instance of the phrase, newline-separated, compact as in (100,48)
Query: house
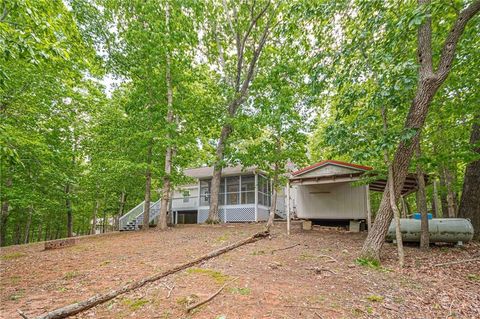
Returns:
(245,196)
(327,190)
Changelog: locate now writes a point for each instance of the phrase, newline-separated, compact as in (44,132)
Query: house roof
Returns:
(331,162)
(207,172)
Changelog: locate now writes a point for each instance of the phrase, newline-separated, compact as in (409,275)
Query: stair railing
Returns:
(131,215)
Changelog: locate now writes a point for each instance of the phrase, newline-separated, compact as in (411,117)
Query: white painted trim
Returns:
(288,207)
(256,197)
(369,210)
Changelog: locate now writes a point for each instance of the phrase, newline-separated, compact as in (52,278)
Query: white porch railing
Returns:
(131,215)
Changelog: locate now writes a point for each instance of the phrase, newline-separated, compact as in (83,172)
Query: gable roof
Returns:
(331,162)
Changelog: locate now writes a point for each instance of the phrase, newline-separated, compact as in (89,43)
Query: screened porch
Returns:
(242,198)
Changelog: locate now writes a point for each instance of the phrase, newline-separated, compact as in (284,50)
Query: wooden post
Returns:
(369,209)
(288,208)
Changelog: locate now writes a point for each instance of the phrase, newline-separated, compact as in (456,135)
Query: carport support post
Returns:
(288,207)
(369,209)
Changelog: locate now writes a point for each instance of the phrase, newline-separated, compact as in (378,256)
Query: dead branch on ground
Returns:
(458,262)
(327,256)
(284,248)
(198,304)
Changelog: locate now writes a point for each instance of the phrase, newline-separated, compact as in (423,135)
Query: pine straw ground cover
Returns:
(316,278)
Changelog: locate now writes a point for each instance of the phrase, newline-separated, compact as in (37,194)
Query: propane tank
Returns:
(442,230)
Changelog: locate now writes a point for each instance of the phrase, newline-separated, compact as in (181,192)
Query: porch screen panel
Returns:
(248,189)
(263,191)
(221,195)
(233,190)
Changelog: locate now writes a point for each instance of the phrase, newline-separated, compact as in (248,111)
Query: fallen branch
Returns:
(198,304)
(306,307)
(284,248)
(327,256)
(169,289)
(318,270)
(458,262)
(77,307)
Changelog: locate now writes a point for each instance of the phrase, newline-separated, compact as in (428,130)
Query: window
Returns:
(233,190)
(248,189)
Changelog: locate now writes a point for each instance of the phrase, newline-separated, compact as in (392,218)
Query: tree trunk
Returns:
(273,206)
(428,84)
(28,225)
(213,217)
(148,185)
(68,204)
(470,201)
(4,214)
(435,204)
(39,232)
(94,217)
(422,204)
(121,208)
(451,195)
(162,222)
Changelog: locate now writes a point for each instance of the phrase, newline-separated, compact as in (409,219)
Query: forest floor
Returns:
(269,283)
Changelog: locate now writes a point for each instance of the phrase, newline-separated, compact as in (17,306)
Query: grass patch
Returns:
(70,275)
(371,263)
(258,252)
(134,304)
(215,275)
(17,295)
(307,256)
(15,279)
(14,255)
(187,300)
(223,238)
(375,298)
(244,291)
(473,277)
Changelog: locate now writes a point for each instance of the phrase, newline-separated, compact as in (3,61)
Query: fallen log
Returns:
(96,300)
(198,304)
(458,262)
(284,248)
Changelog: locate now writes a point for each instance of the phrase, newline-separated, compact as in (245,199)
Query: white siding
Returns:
(331,201)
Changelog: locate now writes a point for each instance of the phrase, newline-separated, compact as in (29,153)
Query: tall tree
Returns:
(470,203)
(429,81)
(243,29)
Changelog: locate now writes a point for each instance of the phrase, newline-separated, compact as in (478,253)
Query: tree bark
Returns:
(470,201)
(435,204)
(4,214)
(273,206)
(39,232)
(68,204)
(422,204)
(213,217)
(428,84)
(121,208)
(94,217)
(28,225)
(148,186)
(451,195)
(166,187)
